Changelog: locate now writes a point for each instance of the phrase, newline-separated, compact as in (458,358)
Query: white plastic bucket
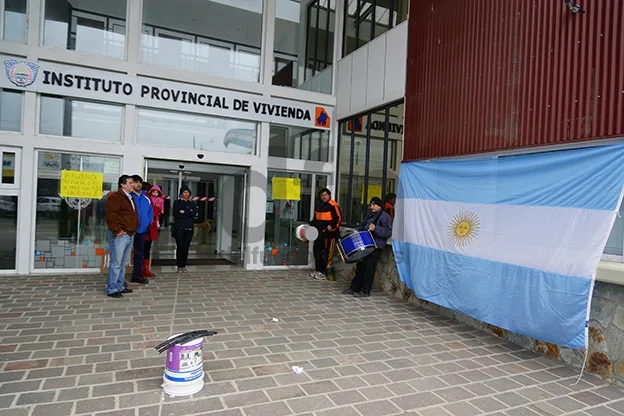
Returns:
(306,232)
(184,371)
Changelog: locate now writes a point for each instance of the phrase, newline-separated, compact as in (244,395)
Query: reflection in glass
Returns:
(214,37)
(8,168)
(282,248)
(196,131)
(383,132)
(83,119)
(10,110)
(367,19)
(8,237)
(299,143)
(67,236)
(86,26)
(615,243)
(14,25)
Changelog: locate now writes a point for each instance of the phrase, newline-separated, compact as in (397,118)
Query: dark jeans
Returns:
(323,252)
(139,252)
(365,273)
(183,239)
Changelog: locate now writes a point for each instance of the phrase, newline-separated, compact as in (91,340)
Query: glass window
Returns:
(367,19)
(214,37)
(370,152)
(8,237)
(319,45)
(71,117)
(71,233)
(10,110)
(196,131)
(299,143)
(14,22)
(9,178)
(287,54)
(615,244)
(96,27)
(282,248)
(8,168)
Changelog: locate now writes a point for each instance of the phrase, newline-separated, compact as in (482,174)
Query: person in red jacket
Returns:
(158,206)
(327,219)
(388,208)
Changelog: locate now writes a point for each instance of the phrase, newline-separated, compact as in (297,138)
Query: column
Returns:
(225,203)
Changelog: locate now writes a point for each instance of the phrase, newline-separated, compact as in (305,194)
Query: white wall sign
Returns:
(72,81)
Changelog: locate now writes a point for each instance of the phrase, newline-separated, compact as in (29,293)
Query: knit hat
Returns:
(376,201)
(185,188)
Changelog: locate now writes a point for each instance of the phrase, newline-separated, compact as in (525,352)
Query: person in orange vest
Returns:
(327,219)
(389,205)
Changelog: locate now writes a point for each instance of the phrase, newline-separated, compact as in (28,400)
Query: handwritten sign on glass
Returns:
(76,184)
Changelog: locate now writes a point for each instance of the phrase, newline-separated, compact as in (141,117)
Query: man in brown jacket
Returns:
(122,221)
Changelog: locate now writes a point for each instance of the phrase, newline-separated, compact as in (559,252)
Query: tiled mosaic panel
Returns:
(62,254)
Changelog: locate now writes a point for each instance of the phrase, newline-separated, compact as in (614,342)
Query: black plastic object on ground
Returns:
(183,339)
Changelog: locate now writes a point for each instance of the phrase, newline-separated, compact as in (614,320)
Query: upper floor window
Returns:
(304,44)
(14,20)
(367,19)
(62,116)
(86,26)
(214,37)
(10,110)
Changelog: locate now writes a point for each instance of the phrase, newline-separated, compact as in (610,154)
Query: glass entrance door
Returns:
(282,248)
(219,192)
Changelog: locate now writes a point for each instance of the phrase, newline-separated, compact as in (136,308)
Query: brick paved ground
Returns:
(66,349)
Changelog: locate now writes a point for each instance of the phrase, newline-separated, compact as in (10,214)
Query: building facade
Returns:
(223,96)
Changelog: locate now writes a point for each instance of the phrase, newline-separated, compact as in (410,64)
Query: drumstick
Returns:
(340,252)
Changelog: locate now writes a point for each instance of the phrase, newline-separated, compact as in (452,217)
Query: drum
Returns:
(356,246)
(306,232)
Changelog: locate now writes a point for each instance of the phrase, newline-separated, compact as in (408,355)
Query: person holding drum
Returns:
(379,224)
(327,219)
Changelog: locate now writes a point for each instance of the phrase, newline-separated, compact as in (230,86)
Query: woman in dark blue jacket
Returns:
(379,224)
(184,212)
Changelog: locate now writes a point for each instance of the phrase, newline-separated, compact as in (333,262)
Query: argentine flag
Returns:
(511,241)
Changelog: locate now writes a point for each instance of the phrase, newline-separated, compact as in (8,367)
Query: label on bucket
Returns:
(184,358)
(184,377)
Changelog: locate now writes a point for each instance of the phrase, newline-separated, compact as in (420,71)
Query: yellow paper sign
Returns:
(373,190)
(76,184)
(286,188)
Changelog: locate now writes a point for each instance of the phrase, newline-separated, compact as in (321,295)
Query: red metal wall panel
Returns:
(488,75)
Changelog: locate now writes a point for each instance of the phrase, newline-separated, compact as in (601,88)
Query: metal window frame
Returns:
(384,173)
(365,116)
(358,9)
(369,122)
(326,61)
(351,155)
(373,23)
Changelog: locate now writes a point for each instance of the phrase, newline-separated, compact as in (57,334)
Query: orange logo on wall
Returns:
(321,118)
(358,125)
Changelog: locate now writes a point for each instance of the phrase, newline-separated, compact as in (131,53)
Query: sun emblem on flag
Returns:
(463,228)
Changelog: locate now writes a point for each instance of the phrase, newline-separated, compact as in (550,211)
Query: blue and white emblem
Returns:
(22,73)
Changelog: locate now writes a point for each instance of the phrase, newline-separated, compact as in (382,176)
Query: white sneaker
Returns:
(320,276)
(313,274)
